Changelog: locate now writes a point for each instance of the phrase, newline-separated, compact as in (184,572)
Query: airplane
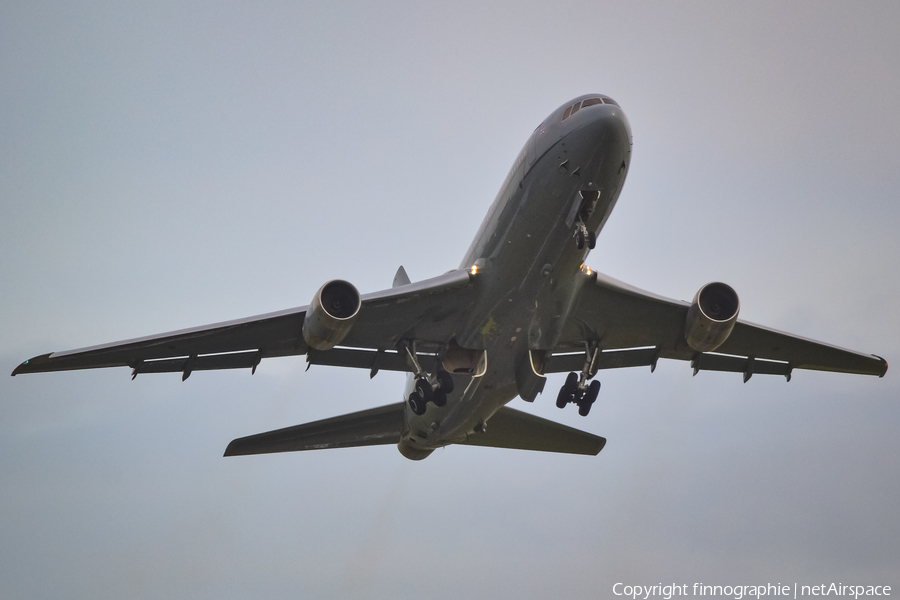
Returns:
(521,305)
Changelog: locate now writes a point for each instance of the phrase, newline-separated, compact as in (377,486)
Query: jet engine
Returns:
(331,314)
(711,317)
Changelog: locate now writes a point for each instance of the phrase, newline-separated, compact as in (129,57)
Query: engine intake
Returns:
(331,314)
(711,317)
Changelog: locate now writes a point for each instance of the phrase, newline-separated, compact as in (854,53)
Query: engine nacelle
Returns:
(331,314)
(711,317)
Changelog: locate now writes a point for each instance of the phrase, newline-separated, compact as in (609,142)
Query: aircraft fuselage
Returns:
(528,267)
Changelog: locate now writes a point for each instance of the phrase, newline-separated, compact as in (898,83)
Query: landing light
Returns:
(474,270)
(586,269)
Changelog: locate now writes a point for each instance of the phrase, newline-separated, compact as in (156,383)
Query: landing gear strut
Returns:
(582,235)
(428,388)
(579,389)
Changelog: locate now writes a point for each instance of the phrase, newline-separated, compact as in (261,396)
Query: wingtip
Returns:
(884,371)
(31,365)
(230,450)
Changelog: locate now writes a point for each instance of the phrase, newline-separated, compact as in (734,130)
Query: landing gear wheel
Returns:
(563,398)
(591,395)
(424,389)
(592,240)
(579,239)
(587,401)
(439,398)
(445,381)
(416,403)
(567,391)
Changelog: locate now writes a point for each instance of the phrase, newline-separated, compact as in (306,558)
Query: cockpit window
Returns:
(584,104)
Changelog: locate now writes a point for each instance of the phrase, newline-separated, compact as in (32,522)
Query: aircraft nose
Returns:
(606,120)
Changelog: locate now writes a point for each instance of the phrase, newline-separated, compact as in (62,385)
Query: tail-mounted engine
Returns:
(711,317)
(331,314)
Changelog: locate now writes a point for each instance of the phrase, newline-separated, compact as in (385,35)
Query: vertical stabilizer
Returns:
(401,278)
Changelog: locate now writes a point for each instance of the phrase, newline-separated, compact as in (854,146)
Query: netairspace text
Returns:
(769,590)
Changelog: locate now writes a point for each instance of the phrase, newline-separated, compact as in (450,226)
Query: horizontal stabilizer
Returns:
(510,428)
(371,427)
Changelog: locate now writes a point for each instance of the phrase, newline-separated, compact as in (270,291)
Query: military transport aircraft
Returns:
(522,304)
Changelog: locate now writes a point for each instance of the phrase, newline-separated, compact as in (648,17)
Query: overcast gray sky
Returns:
(170,164)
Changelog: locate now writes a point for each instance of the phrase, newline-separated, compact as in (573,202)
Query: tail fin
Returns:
(510,428)
(401,278)
(371,427)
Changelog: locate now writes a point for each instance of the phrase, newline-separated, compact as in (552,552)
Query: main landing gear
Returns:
(579,389)
(578,393)
(432,388)
(426,391)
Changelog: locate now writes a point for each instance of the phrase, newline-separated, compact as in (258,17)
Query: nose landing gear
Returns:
(580,390)
(582,236)
(586,201)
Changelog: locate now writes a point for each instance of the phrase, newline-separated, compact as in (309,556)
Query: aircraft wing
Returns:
(419,311)
(634,327)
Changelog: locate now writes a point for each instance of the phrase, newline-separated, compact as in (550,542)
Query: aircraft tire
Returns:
(593,390)
(579,240)
(416,403)
(584,408)
(424,389)
(446,381)
(592,240)
(567,391)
